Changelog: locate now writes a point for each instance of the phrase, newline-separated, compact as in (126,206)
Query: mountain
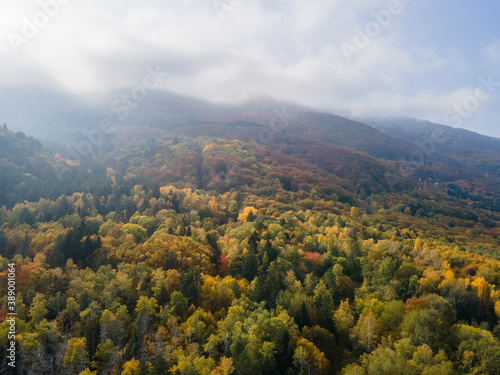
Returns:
(53,115)
(24,166)
(412,130)
(259,238)
(29,171)
(341,131)
(447,152)
(365,171)
(389,154)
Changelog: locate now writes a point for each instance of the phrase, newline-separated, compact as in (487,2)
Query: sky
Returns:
(434,60)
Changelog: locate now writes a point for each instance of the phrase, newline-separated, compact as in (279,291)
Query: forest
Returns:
(200,255)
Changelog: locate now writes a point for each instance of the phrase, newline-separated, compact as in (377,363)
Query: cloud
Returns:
(287,49)
(492,51)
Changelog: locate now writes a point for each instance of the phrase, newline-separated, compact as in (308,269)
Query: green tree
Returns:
(77,356)
(38,309)
(178,304)
(106,357)
(367,330)
(90,326)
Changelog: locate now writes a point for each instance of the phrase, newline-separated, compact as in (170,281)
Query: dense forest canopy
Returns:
(184,253)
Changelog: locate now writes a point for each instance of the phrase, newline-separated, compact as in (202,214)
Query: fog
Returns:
(411,58)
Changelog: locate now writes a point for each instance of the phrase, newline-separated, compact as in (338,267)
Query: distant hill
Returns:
(363,154)
(341,131)
(469,154)
(51,115)
(25,166)
(366,172)
(29,171)
(409,129)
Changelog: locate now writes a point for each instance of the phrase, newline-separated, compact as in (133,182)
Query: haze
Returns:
(437,61)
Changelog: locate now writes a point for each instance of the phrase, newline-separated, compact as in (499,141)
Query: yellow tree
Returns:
(248,214)
(483,290)
(354,213)
(213,205)
(225,368)
(76,357)
(130,367)
(309,358)
(418,244)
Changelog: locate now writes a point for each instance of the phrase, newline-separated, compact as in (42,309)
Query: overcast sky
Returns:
(435,60)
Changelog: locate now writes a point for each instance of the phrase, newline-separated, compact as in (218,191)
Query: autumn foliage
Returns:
(215,256)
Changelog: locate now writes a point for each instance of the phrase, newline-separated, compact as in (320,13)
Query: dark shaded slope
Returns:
(25,166)
(340,131)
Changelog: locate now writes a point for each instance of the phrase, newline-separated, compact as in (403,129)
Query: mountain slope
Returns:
(412,129)
(365,172)
(428,151)
(340,131)
(30,171)
(464,154)
(25,166)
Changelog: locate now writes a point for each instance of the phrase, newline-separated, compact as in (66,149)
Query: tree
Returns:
(497,308)
(344,320)
(188,283)
(248,214)
(130,367)
(417,246)
(195,326)
(325,341)
(426,326)
(38,309)
(478,351)
(225,367)
(144,368)
(367,330)
(391,317)
(145,310)
(249,264)
(160,365)
(138,232)
(113,326)
(324,306)
(354,213)
(178,304)
(309,359)
(106,357)
(213,206)
(302,316)
(483,290)
(90,326)
(77,356)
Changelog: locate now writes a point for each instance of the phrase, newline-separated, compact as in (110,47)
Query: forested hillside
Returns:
(200,250)
(25,168)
